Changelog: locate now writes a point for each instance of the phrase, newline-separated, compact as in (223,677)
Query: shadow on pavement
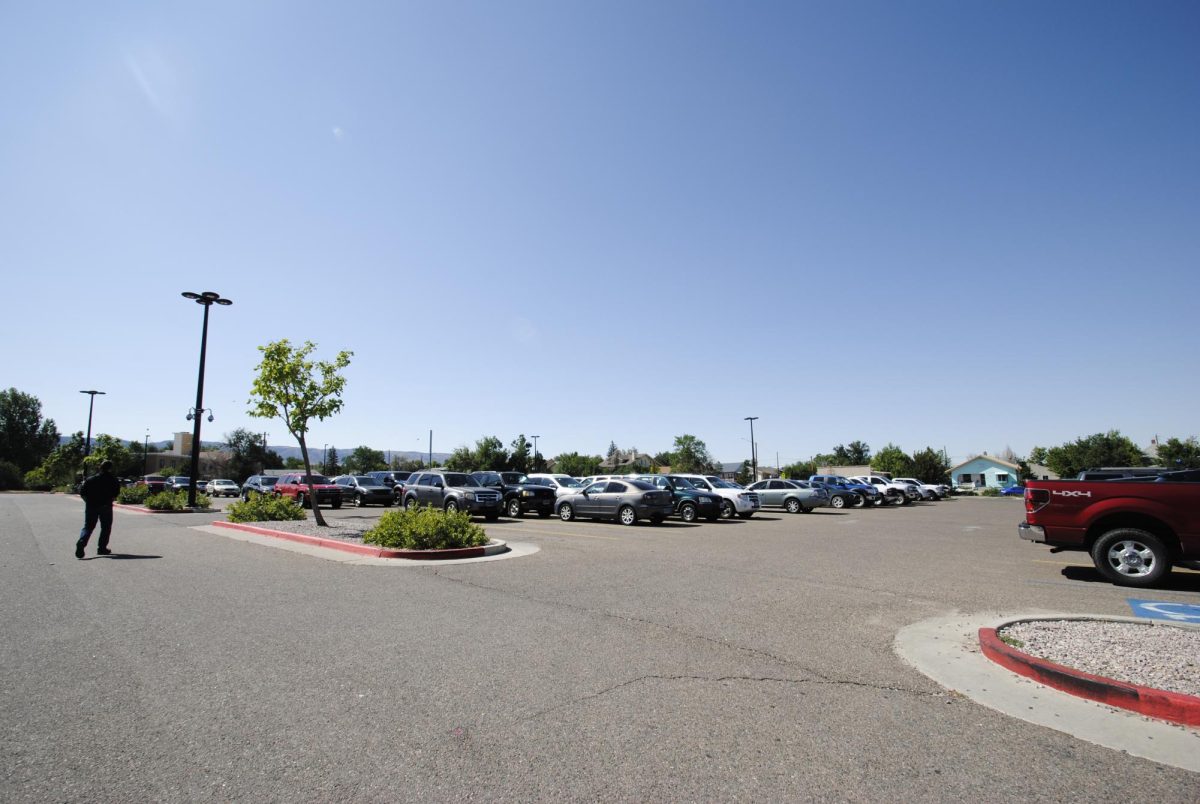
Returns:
(1175,582)
(121,557)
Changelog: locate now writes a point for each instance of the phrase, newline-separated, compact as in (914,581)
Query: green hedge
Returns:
(426,529)
(265,508)
(133,495)
(175,501)
(990,491)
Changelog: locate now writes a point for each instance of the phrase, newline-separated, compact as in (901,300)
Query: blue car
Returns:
(1013,491)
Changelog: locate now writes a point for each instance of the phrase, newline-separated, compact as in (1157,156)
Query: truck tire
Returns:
(514,508)
(1131,557)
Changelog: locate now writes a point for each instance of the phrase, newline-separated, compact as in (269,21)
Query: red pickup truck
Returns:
(1135,530)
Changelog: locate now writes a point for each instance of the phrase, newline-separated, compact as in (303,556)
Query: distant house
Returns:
(985,471)
(637,461)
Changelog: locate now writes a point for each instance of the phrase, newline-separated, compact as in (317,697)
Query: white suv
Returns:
(903,493)
(735,499)
(562,484)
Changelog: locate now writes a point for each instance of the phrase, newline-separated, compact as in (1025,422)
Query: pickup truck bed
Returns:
(1134,530)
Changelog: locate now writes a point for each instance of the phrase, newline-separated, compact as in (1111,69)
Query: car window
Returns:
(777,484)
(456,479)
(616,487)
(485,478)
(762,484)
(596,488)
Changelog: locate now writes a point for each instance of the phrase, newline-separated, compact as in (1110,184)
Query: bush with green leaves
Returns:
(426,528)
(133,495)
(990,491)
(175,501)
(265,508)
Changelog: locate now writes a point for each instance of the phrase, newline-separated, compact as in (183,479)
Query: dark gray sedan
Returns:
(363,490)
(626,501)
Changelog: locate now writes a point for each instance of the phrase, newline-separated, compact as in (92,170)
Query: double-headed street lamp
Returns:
(206,299)
(753,448)
(87,448)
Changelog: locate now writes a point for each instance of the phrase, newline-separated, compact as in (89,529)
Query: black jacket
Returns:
(100,489)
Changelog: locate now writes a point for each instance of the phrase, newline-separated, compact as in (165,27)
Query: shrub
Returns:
(990,491)
(175,501)
(133,495)
(426,529)
(11,476)
(38,480)
(265,508)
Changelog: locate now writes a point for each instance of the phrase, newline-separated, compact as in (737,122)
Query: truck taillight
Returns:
(1036,500)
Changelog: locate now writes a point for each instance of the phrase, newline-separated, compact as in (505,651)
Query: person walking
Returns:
(98,493)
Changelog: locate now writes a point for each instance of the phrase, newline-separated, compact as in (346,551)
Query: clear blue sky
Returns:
(971,225)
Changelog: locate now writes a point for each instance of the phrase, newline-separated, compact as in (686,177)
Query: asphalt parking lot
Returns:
(731,660)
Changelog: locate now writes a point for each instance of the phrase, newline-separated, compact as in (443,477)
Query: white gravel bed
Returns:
(309,527)
(1164,657)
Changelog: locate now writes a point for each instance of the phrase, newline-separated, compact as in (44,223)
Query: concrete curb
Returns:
(141,509)
(495,547)
(1171,706)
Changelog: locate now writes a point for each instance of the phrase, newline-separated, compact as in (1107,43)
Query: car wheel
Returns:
(514,508)
(860,501)
(879,501)
(837,501)
(792,505)
(1131,557)
(627,516)
(410,503)
(687,512)
(727,510)
(566,512)
(300,501)
(359,502)
(451,506)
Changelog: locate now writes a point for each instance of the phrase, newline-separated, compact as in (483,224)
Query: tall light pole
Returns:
(325,459)
(87,448)
(430,449)
(206,299)
(146,455)
(535,452)
(753,448)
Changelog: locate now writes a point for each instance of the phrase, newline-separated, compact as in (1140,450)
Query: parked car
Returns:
(155,483)
(363,490)
(562,484)
(844,495)
(777,493)
(1013,491)
(897,493)
(302,488)
(222,487)
(821,492)
(452,491)
(520,496)
(627,501)
(390,478)
(936,491)
(178,483)
(258,484)
(735,499)
(690,502)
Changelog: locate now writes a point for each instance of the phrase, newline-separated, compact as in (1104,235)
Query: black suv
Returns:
(521,495)
(258,484)
(365,490)
(452,491)
(690,502)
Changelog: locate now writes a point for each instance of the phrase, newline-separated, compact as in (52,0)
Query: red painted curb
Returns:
(1173,706)
(141,509)
(363,549)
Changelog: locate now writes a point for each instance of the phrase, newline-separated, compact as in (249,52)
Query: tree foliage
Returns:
(690,455)
(332,462)
(801,470)
(291,387)
(25,438)
(892,460)
(519,459)
(60,466)
(1179,454)
(745,474)
(576,465)
(930,466)
(1100,449)
(248,454)
(364,459)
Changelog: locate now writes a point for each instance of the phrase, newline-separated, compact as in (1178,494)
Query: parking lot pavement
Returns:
(741,659)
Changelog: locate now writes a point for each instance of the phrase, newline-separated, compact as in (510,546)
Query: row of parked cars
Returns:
(625,498)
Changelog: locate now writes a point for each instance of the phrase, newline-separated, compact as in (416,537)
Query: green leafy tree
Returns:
(291,387)
(690,455)
(1037,455)
(25,438)
(365,459)
(665,459)
(745,474)
(824,459)
(518,459)
(537,463)
(1176,454)
(248,454)
(332,462)
(406,464)
(60,466)
(930,466)
(893,460)
(490,454)
(1024,472)
(611,455)
(292,462)
(799,471)
(461,460)
(1100,449)
(858,453)
(576,465)
(107,448)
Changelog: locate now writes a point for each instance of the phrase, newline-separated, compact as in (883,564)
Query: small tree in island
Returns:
(297,390)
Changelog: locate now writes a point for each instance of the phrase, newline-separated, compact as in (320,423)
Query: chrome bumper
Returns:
(1031,533)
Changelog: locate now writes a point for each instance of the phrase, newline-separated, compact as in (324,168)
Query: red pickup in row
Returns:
(1135,530)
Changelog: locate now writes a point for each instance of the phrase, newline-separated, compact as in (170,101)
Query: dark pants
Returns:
(92,514)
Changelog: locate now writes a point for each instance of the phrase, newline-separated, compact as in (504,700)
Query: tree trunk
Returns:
(312,493)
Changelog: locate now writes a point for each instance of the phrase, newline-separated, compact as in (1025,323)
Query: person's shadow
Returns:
(120,557)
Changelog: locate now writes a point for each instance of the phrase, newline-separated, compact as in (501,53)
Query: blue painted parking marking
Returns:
(1165,610)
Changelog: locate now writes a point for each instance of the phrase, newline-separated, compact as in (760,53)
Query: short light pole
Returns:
(87,447)
(753,449)
(206,299)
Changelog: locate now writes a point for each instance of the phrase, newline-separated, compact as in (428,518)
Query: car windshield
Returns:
(370,481)
(223,482)
(315,479)
(268,481)
(571,483)
(516,478)
(455,479)
(840,479)
(722,484)
(684,483)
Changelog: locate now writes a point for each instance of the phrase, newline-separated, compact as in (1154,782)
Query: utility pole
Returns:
(753,449)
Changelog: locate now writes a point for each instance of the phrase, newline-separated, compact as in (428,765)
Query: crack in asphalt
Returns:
(718,680)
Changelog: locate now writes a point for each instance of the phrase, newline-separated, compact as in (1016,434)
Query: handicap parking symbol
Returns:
(1165,610)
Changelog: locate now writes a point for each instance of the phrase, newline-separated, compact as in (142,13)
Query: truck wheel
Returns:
(837,501)
(566,512)
(687,512)
(627,516)
(1131,557)
(792,505)
(300,500)
(879,501)
(514,508)
(904,499)
(727,511)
